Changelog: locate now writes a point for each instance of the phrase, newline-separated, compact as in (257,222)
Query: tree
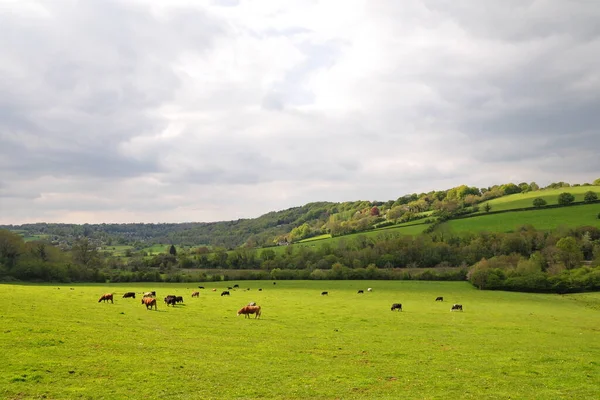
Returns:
(596,182)
(173,250)
(539,202)
(85,253)
(533,186)
(487,207)
(374,211)
(11,247)
(569,252)
(590,197)
(565,198)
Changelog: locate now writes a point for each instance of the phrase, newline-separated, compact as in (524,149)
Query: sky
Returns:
(180,110)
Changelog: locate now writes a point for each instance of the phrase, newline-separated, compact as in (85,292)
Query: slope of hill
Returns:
(525,200)
(543,219)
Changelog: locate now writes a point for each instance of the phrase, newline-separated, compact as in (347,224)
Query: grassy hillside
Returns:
(525,200)
(541,219)
(409,228)
(64,344)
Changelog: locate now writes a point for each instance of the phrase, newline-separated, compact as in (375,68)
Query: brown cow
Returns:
(196,294)
(106,297)
(150,302)
(247,310)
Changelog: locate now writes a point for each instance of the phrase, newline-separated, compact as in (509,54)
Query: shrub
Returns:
(539,202)
(565,198)
(590,197)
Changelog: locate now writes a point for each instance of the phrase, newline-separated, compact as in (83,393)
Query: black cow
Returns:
(274,283)
(129,294)
(397,306)
(179,299)
(225,293)
(200,287)
(439,299)
(235,286)
(260,290)
(229,288)
(171,299)
(456,307)
(360,291)
(324,293)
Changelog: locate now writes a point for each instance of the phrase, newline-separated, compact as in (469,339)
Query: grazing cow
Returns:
(170,299)
(397,306)
(439,299)
(214,290)
(200,287)
(229,287)
(360,291)
(260,290)
(324,293)
(149,294)
(369,289)
(235,286)
(252,303)
(456,307)
(179,299)
(149,302)
(196,294)
(106,297)
(274,283)
(129,294)
(225,293)
(247,310)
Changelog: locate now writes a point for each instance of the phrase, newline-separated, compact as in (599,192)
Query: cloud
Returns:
(127,111)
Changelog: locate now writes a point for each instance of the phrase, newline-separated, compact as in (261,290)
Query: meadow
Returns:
(57,342)
(525,200)
(544,219)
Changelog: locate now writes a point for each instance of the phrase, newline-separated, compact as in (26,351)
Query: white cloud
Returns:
(129,111)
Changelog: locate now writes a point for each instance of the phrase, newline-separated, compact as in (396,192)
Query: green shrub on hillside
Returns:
(539,202)
(565,198)
(590,197)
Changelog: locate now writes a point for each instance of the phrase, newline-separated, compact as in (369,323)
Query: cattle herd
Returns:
(149,300)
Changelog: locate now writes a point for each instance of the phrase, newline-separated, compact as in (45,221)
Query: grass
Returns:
(61,343)
(525,200)
(541,219)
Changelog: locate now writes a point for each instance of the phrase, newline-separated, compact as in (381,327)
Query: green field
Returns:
(544,219)
(63,344)
(411,228)
(525,200)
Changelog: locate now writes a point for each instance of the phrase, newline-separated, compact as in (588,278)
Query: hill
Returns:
(525,200)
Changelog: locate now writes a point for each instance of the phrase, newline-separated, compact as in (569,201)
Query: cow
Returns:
(129,294)
(397,306)
(179,299)
(196,294)
(229,287)
(456,307)
(149,302)
(171,299)
(236,286)
(214,290)
(439,299)
(324,293)
(225,293)
(360,291)
(260,290)
(149,294)
(369,289)
(106,297)
(274,283)
(247,310)
(252,303)
(200,287)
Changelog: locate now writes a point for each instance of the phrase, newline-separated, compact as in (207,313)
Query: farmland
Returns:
(543,219)
(62,343)
(525,200)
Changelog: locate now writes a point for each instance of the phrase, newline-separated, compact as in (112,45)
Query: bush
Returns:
(565,198)
(590,197)
(539,202)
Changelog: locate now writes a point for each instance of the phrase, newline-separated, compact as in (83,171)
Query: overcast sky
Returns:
(172,111)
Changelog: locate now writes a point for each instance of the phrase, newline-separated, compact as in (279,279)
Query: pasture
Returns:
(61,343)
(544,219)
(525,200)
